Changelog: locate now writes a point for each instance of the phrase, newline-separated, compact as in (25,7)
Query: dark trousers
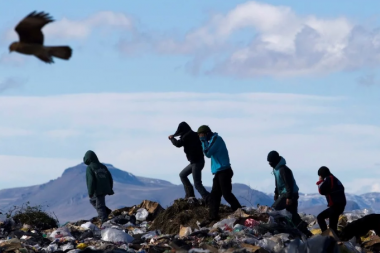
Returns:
(222,186)
(280,204)
(196,170)
(332,213)
(99,203)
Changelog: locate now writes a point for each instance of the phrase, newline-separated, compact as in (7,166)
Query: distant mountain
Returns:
(315,203)
(67,195)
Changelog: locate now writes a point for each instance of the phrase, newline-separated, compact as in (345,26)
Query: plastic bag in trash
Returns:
(251,223)
(238,228)
(264,209)
(116,235)
(74,251)
(142,214)
(267,244)
(195,250)
(66,247)
(248,209)
(349,247)
(60,232)
(89,225)
(251,240)
(226,223)
(315,244)
(82,246)
(309,218)
(151,234)
(51,248)
(137,231)
(129,224)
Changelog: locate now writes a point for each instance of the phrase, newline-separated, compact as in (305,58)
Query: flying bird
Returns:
(31,39)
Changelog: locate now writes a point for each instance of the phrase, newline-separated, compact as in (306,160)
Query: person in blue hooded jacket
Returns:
(286,191)
(215,148)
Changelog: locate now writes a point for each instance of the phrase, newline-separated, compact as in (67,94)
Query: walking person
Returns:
(99,184)
(215,148)
(333,189)
(286,192)
(192,147)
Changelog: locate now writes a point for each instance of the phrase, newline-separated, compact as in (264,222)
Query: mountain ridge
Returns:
(67,196)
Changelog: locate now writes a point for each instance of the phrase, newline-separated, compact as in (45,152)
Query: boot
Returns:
(207,198)
(303,228)
(189,192)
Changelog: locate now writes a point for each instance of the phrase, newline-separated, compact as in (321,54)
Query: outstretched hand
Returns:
(171,137)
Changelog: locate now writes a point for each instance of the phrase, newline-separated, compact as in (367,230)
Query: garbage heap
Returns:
(150,228)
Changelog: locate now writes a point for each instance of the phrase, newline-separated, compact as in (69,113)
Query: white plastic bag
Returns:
(89,225)
(66,247)
(142,214)
(136,231)
(151,234)
(51,248)
(226,222)
(74,251)
(116,235)
(61,232)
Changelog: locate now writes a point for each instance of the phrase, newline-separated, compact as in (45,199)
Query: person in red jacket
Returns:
(333,189)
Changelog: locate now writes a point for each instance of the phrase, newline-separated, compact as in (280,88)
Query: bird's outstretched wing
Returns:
(29,29)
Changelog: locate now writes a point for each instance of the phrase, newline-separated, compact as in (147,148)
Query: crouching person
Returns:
(99,184)
(286,191)
(333,189)
(215,148)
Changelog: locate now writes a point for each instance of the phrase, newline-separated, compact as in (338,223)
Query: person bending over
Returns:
(192,147)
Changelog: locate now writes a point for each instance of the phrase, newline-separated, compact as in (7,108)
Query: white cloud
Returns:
(130,131)
(82,28)
(277,42)
(253,39)
(363,185)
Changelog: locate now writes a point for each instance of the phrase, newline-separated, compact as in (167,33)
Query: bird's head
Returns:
(13,47)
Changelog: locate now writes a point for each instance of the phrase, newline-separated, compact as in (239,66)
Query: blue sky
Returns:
(301,79)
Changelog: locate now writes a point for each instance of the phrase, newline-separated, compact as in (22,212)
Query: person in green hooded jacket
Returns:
(286,192)
(99,184)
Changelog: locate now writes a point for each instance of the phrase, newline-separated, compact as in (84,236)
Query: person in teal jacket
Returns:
(215,148)
(286,191)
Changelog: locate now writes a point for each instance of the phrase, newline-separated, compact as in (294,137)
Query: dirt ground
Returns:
(185,214)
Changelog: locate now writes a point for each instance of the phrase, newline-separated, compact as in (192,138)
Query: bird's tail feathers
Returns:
(62,52)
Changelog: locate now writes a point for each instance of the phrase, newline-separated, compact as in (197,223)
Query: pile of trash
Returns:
(150,228)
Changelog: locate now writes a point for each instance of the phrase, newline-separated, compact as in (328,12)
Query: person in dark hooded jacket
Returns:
(286,192)
(192,147)
(99,184)
(333,189)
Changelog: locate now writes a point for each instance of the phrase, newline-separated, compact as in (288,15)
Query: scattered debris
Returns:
(149,228)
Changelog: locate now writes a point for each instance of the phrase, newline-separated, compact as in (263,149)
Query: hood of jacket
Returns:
(282,162)
(90,157)
(182,129)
